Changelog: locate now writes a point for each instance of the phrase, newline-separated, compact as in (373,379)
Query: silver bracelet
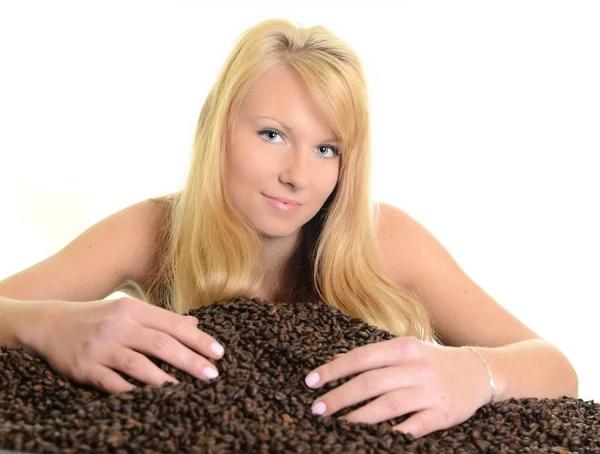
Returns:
(487,369)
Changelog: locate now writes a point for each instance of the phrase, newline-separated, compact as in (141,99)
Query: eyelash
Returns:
(333,148)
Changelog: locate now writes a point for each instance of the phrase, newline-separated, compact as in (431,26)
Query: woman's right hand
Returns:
(88,342)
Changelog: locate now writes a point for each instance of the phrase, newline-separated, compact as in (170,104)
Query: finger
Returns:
(423,423)
(371,356)
(178,326)
(367,385)
(137,366)
(390,405)
(165,347)
(193,320)
(107,380)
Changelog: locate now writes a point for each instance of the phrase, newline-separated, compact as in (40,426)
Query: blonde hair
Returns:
(209,252)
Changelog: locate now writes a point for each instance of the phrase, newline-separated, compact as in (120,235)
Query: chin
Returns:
(271,235)
(274,234)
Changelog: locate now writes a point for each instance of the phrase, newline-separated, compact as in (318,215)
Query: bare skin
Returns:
(90,339)
(266,158)
(56,307)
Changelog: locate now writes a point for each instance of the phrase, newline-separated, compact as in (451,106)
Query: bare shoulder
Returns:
(463,313)
(408,248)
(393,233)
(117,250)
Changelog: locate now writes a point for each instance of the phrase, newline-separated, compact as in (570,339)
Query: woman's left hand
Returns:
(444,386)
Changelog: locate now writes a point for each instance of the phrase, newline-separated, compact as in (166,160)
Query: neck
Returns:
(277,253)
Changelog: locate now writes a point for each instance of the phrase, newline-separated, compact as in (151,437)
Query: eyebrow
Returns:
(290,130)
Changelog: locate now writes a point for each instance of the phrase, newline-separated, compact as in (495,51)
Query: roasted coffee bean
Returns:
(259,402)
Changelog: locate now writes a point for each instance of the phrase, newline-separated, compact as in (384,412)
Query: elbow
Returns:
(568,375)
(571,379)
(573,383)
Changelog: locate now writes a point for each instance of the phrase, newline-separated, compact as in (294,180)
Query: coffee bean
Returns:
(259,402)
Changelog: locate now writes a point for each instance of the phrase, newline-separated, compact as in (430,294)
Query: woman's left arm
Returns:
(530,368)
(444,384)
(522,363)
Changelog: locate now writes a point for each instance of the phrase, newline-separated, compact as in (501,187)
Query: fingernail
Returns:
(311,379)
(318,408)
(217,348)
(210,372)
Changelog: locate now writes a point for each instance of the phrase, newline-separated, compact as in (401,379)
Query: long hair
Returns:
(209,252)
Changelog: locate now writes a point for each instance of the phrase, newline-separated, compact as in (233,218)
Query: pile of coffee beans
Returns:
(260,403)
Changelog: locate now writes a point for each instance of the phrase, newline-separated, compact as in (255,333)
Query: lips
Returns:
(284,200)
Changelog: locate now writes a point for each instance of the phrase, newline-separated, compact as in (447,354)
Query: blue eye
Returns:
(269,131)
(333,148)
(273,132)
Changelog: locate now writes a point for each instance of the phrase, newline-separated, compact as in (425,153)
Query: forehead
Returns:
(282,94)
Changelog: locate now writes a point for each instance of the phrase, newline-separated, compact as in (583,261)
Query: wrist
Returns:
(493,356)
(492,385)
(26,321)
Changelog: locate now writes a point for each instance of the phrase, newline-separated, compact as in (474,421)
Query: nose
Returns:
(296,171)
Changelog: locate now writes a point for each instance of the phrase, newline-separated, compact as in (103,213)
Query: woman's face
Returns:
(281,146)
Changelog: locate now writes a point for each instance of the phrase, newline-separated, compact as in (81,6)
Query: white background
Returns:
(485,116)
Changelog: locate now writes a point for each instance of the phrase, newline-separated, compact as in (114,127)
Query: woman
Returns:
(277,205)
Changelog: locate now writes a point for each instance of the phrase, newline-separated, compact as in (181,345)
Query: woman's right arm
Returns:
(12,315)
(56,308)
(96,263)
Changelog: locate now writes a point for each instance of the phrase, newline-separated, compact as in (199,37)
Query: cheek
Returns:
(249,154)
(329,184)
(240,162)
(237,174)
